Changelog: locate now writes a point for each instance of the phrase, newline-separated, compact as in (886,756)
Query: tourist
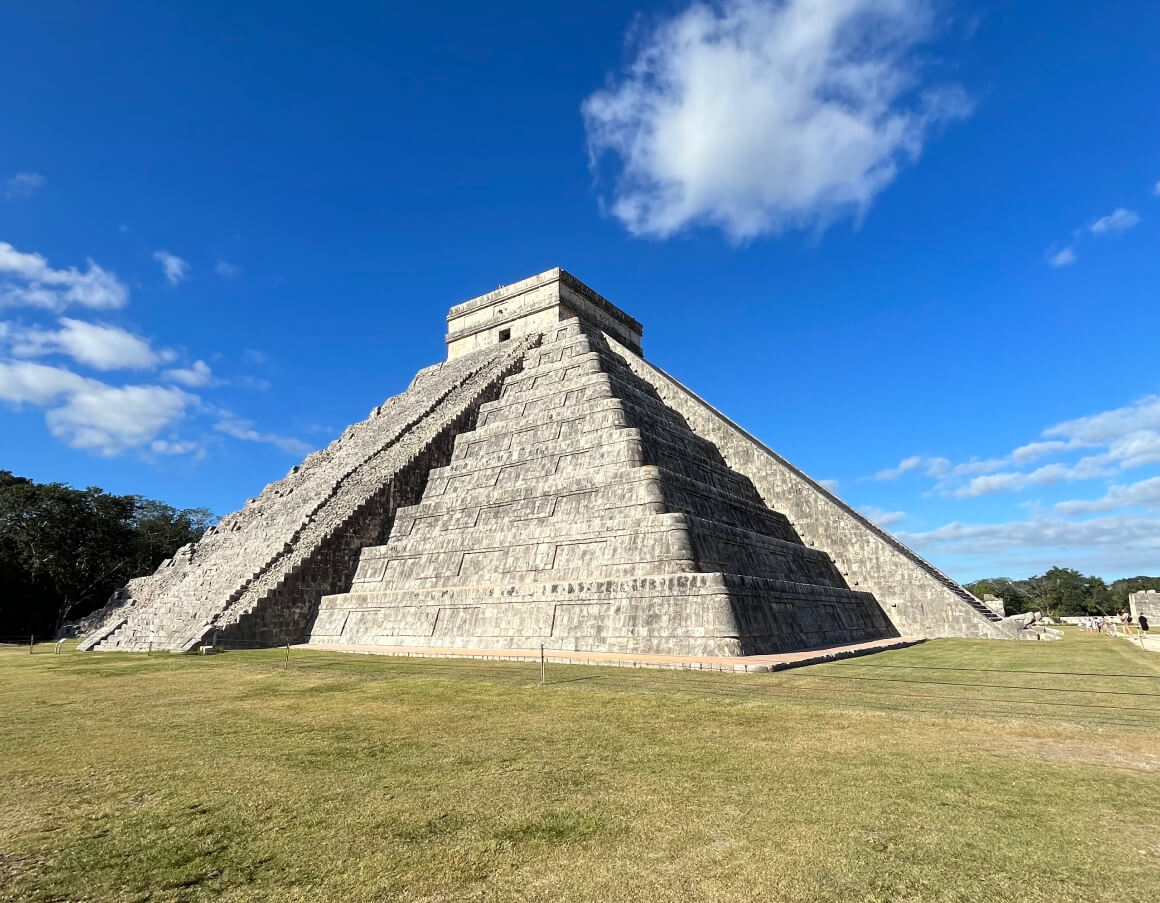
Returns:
(1143,622)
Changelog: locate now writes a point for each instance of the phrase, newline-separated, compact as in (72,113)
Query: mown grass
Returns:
(954,770)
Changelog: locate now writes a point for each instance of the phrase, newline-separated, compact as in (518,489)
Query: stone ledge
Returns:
(741,664)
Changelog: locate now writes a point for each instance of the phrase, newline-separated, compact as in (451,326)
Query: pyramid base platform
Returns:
(692,615)
(752,664)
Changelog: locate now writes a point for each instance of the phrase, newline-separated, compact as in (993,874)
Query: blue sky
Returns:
(910,245)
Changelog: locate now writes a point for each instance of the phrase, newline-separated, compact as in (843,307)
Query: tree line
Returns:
(63,551)
(1063,592)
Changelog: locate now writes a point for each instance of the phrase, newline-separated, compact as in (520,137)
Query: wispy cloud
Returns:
(1106,426)
(244,429)
(256,383)
(1145,493)
(1048,475)
(758,116)
(23,185)
(175,269)
(882,517)
(1104,544)
(227,270)
(915,464)
(26,280)
(177,447)
(1114,441)
(96,345)
(196,375)
(1033,451)
(1119,220)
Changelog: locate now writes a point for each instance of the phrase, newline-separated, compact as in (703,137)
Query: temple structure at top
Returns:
(535,306)
(545,485)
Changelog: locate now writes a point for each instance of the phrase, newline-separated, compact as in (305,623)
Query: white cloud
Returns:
(882,517)
(1049,475)
(244,429)
(87,413)
(1118,220)
(931,466)
(1063,258)
(831,485)
(1034,450)
(99,346)
(757,116)
(227,270)
(197,374)
(109,420)
(23,382)
(1122,542)
(1123,438)
(1156,189)
(1145,493)
(23,185)
(176,270)
(27,280)
(973,466)
(1135,449)
(1098,429)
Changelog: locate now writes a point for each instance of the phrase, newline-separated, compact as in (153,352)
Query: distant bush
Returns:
(63,551)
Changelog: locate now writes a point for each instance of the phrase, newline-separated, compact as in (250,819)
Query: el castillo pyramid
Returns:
(544,485)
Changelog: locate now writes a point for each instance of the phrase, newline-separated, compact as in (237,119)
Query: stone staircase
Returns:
(582,513)
(216,584)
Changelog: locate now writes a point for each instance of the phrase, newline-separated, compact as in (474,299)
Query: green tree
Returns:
(1120,589)
(1067,592)
(1016,597)
(1062,591)
(63,551)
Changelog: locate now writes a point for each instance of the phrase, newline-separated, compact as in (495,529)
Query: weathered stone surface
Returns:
(545,485)
(919,599)
(257,576)
(1146,603)
(996,604)
(584,514)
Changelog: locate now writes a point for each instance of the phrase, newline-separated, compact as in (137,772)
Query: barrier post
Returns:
(31,642)
(541,664)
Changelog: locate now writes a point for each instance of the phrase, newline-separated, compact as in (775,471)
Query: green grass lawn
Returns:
(954,770)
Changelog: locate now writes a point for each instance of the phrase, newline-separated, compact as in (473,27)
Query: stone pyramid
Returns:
(544,485)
